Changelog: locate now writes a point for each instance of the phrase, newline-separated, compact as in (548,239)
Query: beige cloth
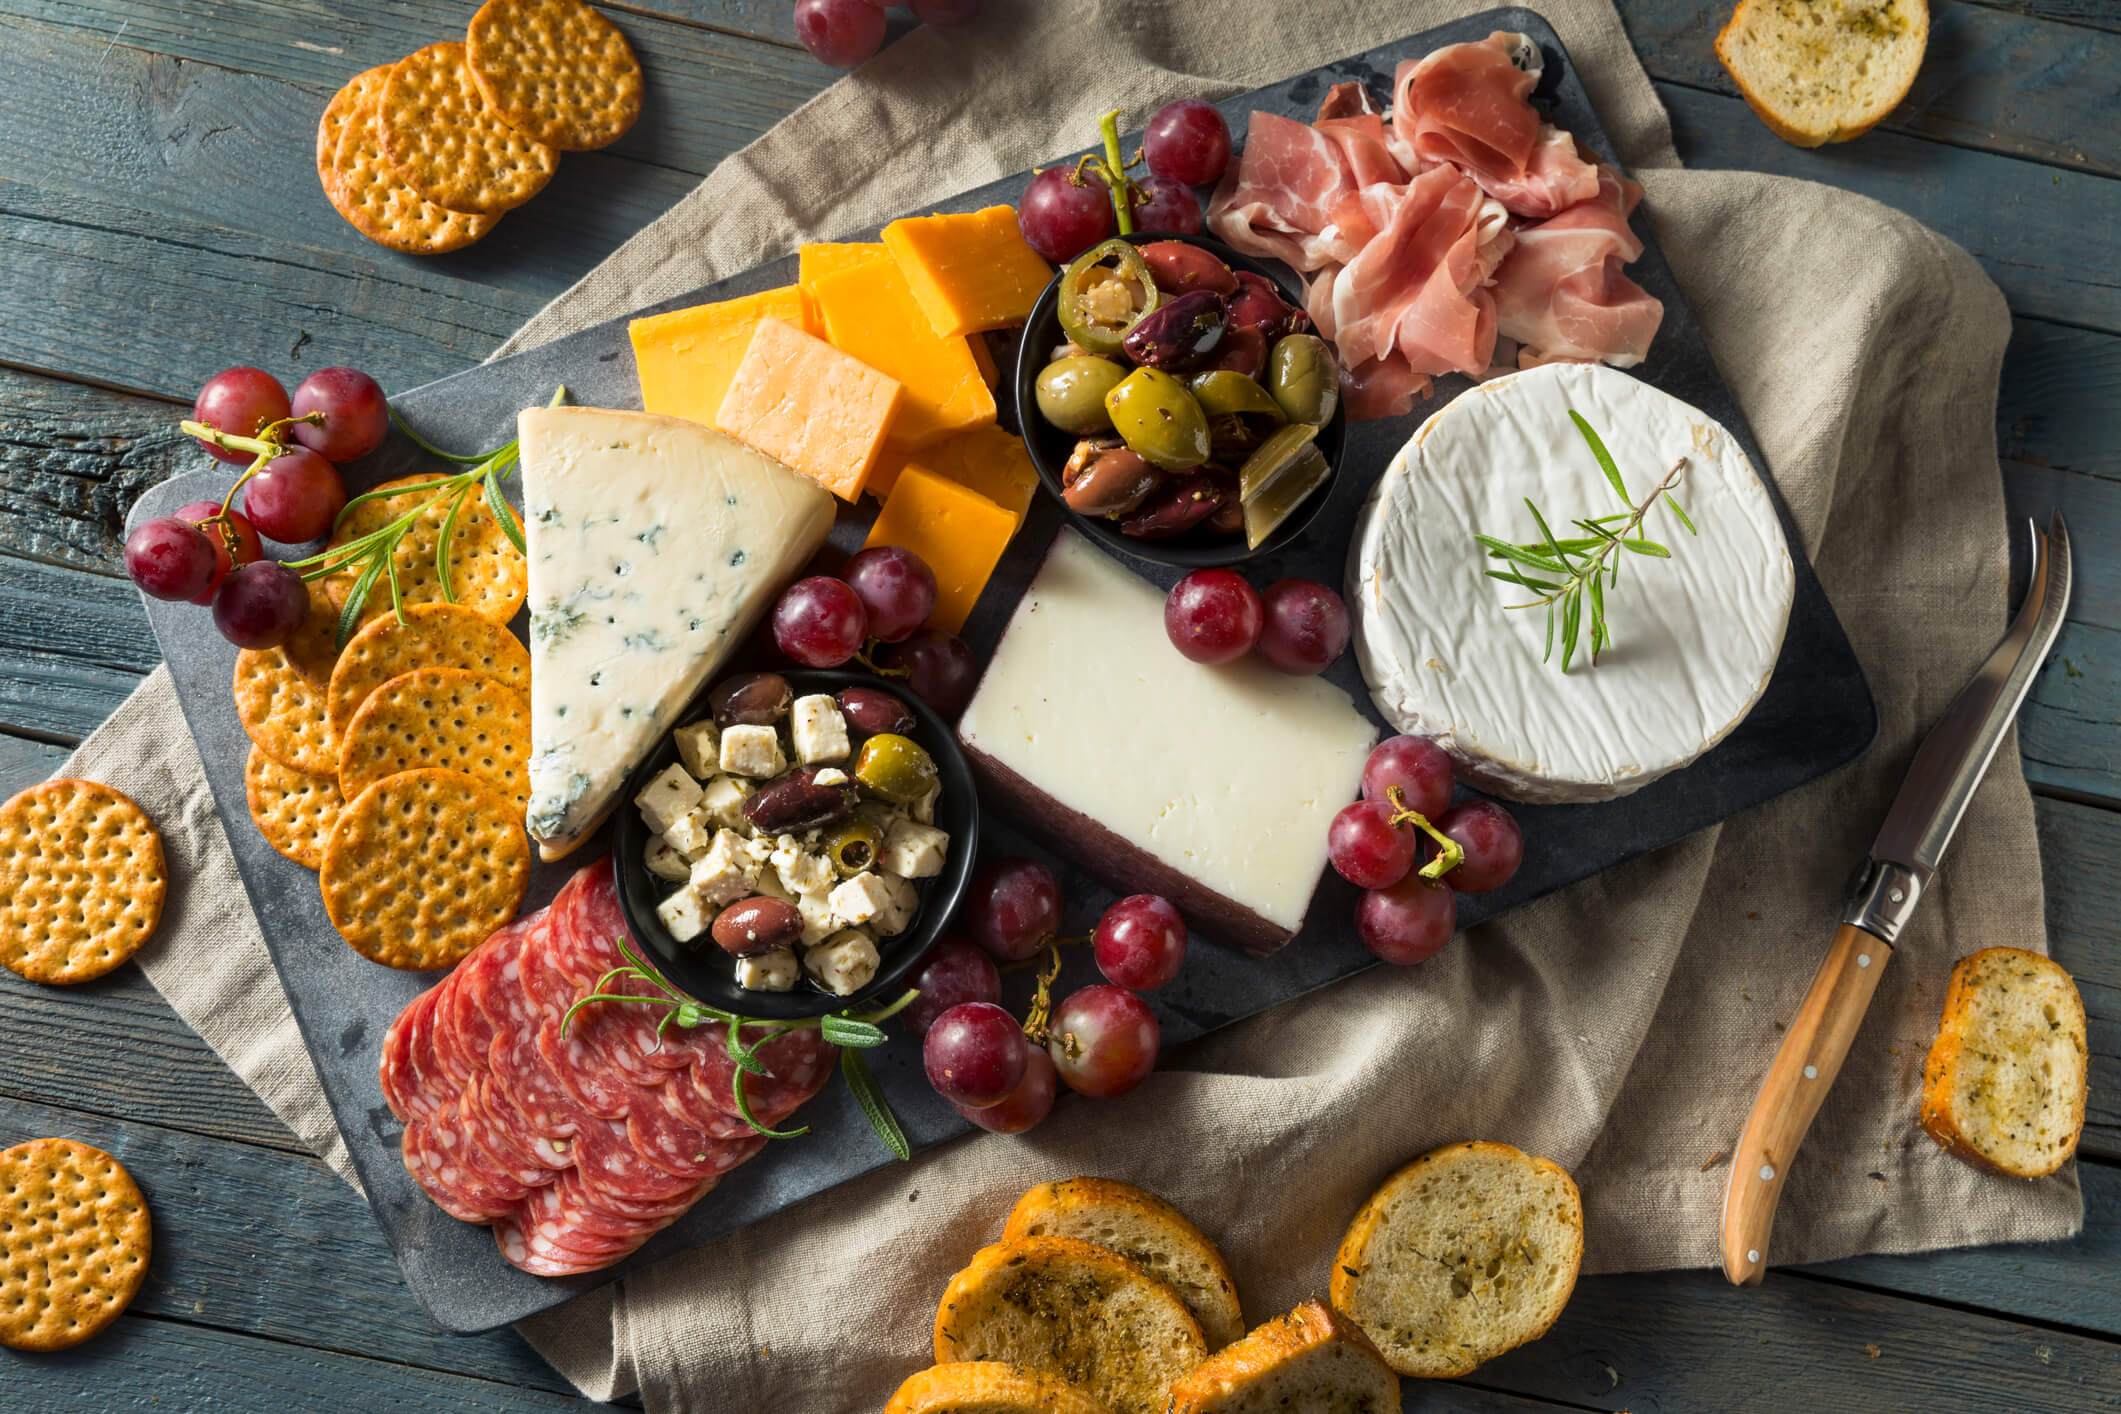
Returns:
(1620,1028)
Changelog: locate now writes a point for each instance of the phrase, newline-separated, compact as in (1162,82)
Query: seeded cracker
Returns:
(281,693)
(487,572)
(293,810)
(74,1243)
(423,867)
(364,188)
(81,881)
(363,90)
(432,636)
(449,144)
(555,69)
(447,717)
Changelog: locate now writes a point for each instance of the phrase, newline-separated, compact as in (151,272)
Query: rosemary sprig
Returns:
(1575,572)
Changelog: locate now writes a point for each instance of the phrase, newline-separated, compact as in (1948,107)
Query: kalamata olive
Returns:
(1259,305)
(1180,504)
(1158,418)
(1241,351)
(1112,484)
(870,710)
(757,924)
(1180,267)
(897,768)
(1303,378)
(1071,393)
(797,802)
(1181,335)
(750,700)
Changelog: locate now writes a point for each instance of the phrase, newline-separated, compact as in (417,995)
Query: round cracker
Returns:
(449,144)
(432,636)
(363,187)
(281,693)
(363,90)
(448,717)
(82,881)
(74,1242)
(555,69)
(423,867)
(292,809)
(486,571)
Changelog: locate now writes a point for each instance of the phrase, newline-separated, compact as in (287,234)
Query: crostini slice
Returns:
(989,1387)
(2004,1085)
(1312,1361)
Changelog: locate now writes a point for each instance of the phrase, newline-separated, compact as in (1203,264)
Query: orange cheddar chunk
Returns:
(686,358)
(869,312)
(813,408)
(959,532)
(988,460)
(970,272)
(821,258)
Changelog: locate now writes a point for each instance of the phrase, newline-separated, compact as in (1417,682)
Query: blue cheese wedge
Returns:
(654,546)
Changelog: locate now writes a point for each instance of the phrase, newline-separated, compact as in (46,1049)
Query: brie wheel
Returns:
(1694,637)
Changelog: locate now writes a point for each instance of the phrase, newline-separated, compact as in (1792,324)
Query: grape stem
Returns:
(1122,189)
(1041,1011)
(1449,852)
(269,443)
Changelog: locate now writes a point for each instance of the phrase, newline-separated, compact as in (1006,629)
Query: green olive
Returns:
(1157,418)
(895,767)
(1303,378)
(852,845)
(1071,393)
(1227,391)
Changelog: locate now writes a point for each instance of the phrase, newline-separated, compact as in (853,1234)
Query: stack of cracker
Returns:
(425,155)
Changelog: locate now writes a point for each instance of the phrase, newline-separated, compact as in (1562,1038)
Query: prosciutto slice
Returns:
(1418,285)
(1562,293)
(1279,197)
(1470,105)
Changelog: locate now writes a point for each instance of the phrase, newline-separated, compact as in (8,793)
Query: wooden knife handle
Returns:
(1796,1085)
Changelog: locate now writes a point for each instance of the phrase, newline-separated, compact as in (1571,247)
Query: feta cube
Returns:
(830,776)
(897,913)
(726,872)
(752,751)
(761,848)
(924,808)
(722,799)
(880,813)
(699,747)
(818,920)
(691,835)
(913,851)
(686,913)
(819,731)
(844,962)
(666,863)
(802,871)
(664,800)
(774,971)
(860,899)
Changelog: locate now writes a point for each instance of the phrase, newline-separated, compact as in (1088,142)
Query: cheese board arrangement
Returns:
(969,659)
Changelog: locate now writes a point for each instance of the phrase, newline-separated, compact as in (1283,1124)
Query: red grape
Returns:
(1013,908)
(260,605)
(1367,849)
(1167,206)
(974,1054)
(1028,1103)
(1305,626)
(1493,844)
(841,33)
(248,546)
(1141,942)
(955,971)
(1187,142)
(356,417)
(946,12)
(1213,616)
(296,497)
(1103,1040)
(239,401)
(1409,921)
(819,622)
(171,559)
(1419,767)
(895,586)
(938,668)
(1062,220)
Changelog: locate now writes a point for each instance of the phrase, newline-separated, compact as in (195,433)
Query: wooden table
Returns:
(162,221)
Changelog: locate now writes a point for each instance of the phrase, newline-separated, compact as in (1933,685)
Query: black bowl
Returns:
(709,974)
(1049,446)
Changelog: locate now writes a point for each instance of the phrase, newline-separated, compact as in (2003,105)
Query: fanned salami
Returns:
(458,1191)
(798,1063)
(682,1151)
(592,1082)
(605,1156)
(502,1150)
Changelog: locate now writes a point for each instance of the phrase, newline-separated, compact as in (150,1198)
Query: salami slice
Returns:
(430,1093)
(685,1103)
(520,1248)
(592,1082)
(596,1205)
(455,1189)
(798,1063)
(608,1162)
(622,1036)
(524,1085)
(400,1091)
(499,1142)
(561,1215)
(457,1158)
(682,1151)
(463,1032)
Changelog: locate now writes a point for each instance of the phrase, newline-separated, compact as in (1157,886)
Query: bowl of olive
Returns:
(1174,399)
(896,759)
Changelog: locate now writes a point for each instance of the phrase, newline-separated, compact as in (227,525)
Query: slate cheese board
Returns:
(1816,715)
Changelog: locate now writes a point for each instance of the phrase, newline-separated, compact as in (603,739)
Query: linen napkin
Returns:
(1620,1028)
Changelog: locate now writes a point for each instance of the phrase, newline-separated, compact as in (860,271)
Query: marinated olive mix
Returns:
(1196,392)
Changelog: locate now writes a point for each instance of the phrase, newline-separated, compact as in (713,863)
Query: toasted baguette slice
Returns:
(1469,1251)
(2004,1084)
(987,1387)
(1824,70)
(1145,1230)
(1312,1361)
(1072,1309)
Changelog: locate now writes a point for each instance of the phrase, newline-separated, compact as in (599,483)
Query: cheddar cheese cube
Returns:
(989,460)
(818,259)
(686,358)
(819,411)
(869,312)
(984,357)
(957,531)
(970,272)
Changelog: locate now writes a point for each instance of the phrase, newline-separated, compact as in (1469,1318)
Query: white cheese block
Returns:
(654,545)
(1694,637)
(1213,786)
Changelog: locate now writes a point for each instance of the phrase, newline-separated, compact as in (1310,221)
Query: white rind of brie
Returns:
(1694,638)
(654,546)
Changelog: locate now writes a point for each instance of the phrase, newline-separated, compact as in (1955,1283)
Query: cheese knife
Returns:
(1903,860)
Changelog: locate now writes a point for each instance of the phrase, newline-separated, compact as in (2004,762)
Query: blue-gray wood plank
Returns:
(135,268)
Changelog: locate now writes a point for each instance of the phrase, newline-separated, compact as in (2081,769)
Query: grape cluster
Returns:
(1101,1040)
(1064,211)
(844,33)
(209,552)
(881,597)
(1298,625)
